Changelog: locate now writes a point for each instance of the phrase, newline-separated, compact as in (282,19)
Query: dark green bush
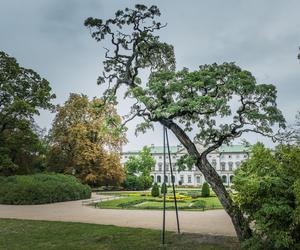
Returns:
(205,192)
(133,182)
(41,188)
(155,190)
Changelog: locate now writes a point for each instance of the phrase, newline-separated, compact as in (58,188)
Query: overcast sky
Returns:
(260,36)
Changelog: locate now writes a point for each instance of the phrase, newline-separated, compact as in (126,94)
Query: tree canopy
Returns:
(142,164)
(219,102)
(86,140)
(23,92)
(138,170)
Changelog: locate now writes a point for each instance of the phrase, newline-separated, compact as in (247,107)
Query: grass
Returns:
(28,234)
(138,200)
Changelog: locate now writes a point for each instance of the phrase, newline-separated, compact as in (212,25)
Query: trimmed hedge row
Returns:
(41,188)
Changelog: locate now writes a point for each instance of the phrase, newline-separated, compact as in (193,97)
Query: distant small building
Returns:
(225,160)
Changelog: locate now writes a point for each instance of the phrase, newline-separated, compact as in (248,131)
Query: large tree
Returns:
(22,94)
(218,103)
(86,140)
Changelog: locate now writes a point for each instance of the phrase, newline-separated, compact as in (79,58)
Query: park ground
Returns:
(71,225)
(212,222)
(28,234)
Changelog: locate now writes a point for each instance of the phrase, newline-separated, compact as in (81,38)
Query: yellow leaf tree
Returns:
(86,140)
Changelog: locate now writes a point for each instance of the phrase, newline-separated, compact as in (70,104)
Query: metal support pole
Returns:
(164,184)
(173,185)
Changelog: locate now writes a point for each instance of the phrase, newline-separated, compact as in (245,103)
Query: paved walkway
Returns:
(215,222)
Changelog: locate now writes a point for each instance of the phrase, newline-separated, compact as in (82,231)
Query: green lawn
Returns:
(27,234)
(136,200)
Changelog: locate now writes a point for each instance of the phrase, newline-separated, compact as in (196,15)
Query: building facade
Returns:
(225,160)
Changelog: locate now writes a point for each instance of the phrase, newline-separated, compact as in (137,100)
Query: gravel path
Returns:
(215,222)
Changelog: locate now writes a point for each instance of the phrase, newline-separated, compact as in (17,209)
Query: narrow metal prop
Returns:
(173,180)
(165,138)
(164,184)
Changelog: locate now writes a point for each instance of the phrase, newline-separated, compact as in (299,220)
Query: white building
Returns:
(225,160)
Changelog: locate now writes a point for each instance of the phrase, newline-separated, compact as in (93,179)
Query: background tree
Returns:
(86,139)
(22,93)
(218,102)
(138,170)
(268,186)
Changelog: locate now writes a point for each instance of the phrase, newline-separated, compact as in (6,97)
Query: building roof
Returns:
(156,150)
(233,149)
(160,150)
(178,149)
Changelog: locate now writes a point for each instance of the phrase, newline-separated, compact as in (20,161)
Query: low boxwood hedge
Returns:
(41,189)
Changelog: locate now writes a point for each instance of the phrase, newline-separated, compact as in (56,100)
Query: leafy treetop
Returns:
(198,98)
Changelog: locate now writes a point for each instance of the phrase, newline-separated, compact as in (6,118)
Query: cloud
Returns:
(260,36)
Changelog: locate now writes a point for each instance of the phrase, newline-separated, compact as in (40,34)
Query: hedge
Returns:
(41,189)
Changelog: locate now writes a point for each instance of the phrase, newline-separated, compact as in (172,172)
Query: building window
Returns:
(182,179)
(229,156)
(125,156)
(237,164)
(167,167)
(245,156)
(160,166)
(174,166)
(198,179)
(231,178)
(158,179)
(237,156)
(189,179)
(230,165)
(152,177)
(166,178)
(224,179)
(223,166)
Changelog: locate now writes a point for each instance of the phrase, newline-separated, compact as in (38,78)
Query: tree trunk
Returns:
(241,226)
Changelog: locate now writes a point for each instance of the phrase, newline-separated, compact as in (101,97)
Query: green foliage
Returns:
(205,191)
(133,182)
(140,164)
(41,188)
(138,170)
(22,94)
(267,188)
(155,190)
(164,189)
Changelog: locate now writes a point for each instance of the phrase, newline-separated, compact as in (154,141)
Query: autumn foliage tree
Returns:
(218,102)
(86,139)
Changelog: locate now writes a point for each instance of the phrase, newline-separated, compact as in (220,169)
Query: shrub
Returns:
(205,192)
(133,182)
(164,188)
(41,188)
(155,190)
